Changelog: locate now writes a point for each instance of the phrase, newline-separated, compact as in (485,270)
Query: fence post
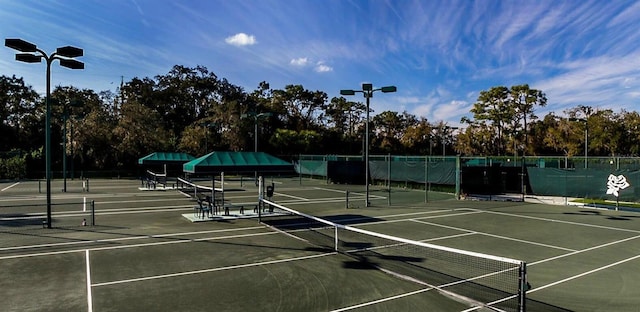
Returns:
(458,176)
(93,213)
(426,179)
(347,199)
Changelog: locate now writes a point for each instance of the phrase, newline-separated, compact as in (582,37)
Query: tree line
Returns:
(192,110)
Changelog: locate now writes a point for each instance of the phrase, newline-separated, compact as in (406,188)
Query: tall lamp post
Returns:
(444,133)
(367,91)
(255,117)
(65,116)
(207,126)
(65,55)
(586,138)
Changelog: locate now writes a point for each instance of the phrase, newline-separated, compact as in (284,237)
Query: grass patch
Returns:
(608,203)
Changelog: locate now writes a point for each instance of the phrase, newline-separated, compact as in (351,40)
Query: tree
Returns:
(298,108)
(493,112)
(184,95)
(605,133)
(417,138)
(139,131)
(293,142)
(22,115)
(556,135)
(631,133)
(524,100)
(388,130)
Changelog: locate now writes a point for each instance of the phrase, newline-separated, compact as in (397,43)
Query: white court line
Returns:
(10,186)
(330,190)
(117,239)
(383,300)
(559,221)
(89,296)
(291,196)
(77,213)
(583,274)
(179,241)
(584,250)
(247,265)
(493,235)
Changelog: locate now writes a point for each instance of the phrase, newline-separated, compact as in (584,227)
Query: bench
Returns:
(226,207)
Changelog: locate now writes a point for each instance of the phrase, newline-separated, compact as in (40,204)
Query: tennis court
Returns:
(142,254)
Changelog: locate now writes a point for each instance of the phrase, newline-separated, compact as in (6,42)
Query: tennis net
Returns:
(154,178)
(492,282)
(194,190)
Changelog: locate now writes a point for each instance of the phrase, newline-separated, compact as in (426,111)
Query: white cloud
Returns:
(322,68)
(241,39)
(301,61)
(451,110)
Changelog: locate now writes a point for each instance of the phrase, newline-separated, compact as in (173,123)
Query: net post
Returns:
(524,286)
(335,248)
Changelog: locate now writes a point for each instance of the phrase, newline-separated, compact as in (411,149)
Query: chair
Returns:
(202,208)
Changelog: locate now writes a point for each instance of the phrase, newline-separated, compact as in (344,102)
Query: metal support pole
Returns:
(367,95)
(458,176)
(586,143)
(255,143)
(47,130)
(93,212)
(347,199)
(64,153)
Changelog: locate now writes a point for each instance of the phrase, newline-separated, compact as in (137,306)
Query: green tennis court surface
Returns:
(143,255)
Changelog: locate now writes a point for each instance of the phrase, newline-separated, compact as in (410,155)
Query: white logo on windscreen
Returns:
(616,183)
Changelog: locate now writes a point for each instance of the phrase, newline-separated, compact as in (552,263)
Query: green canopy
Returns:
(237,162)
(160,158)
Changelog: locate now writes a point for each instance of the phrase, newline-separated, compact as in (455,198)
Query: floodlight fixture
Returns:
(20,45)
(367,86)
(73,64)
(69,51)
(388,89)
(28,58)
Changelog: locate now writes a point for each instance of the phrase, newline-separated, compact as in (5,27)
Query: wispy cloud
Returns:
(241,39)
(301,61)
(440,54)
(323,68)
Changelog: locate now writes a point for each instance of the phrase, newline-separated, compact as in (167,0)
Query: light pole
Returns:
(65,55)
(255,117)
(367,91)
(207,126)
(444,133)
(65,117)
(586,137)
(586,141)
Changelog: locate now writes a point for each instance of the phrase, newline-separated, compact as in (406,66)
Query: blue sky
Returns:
(440,54)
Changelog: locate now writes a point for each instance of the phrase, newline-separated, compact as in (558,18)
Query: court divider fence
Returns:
(580,177)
